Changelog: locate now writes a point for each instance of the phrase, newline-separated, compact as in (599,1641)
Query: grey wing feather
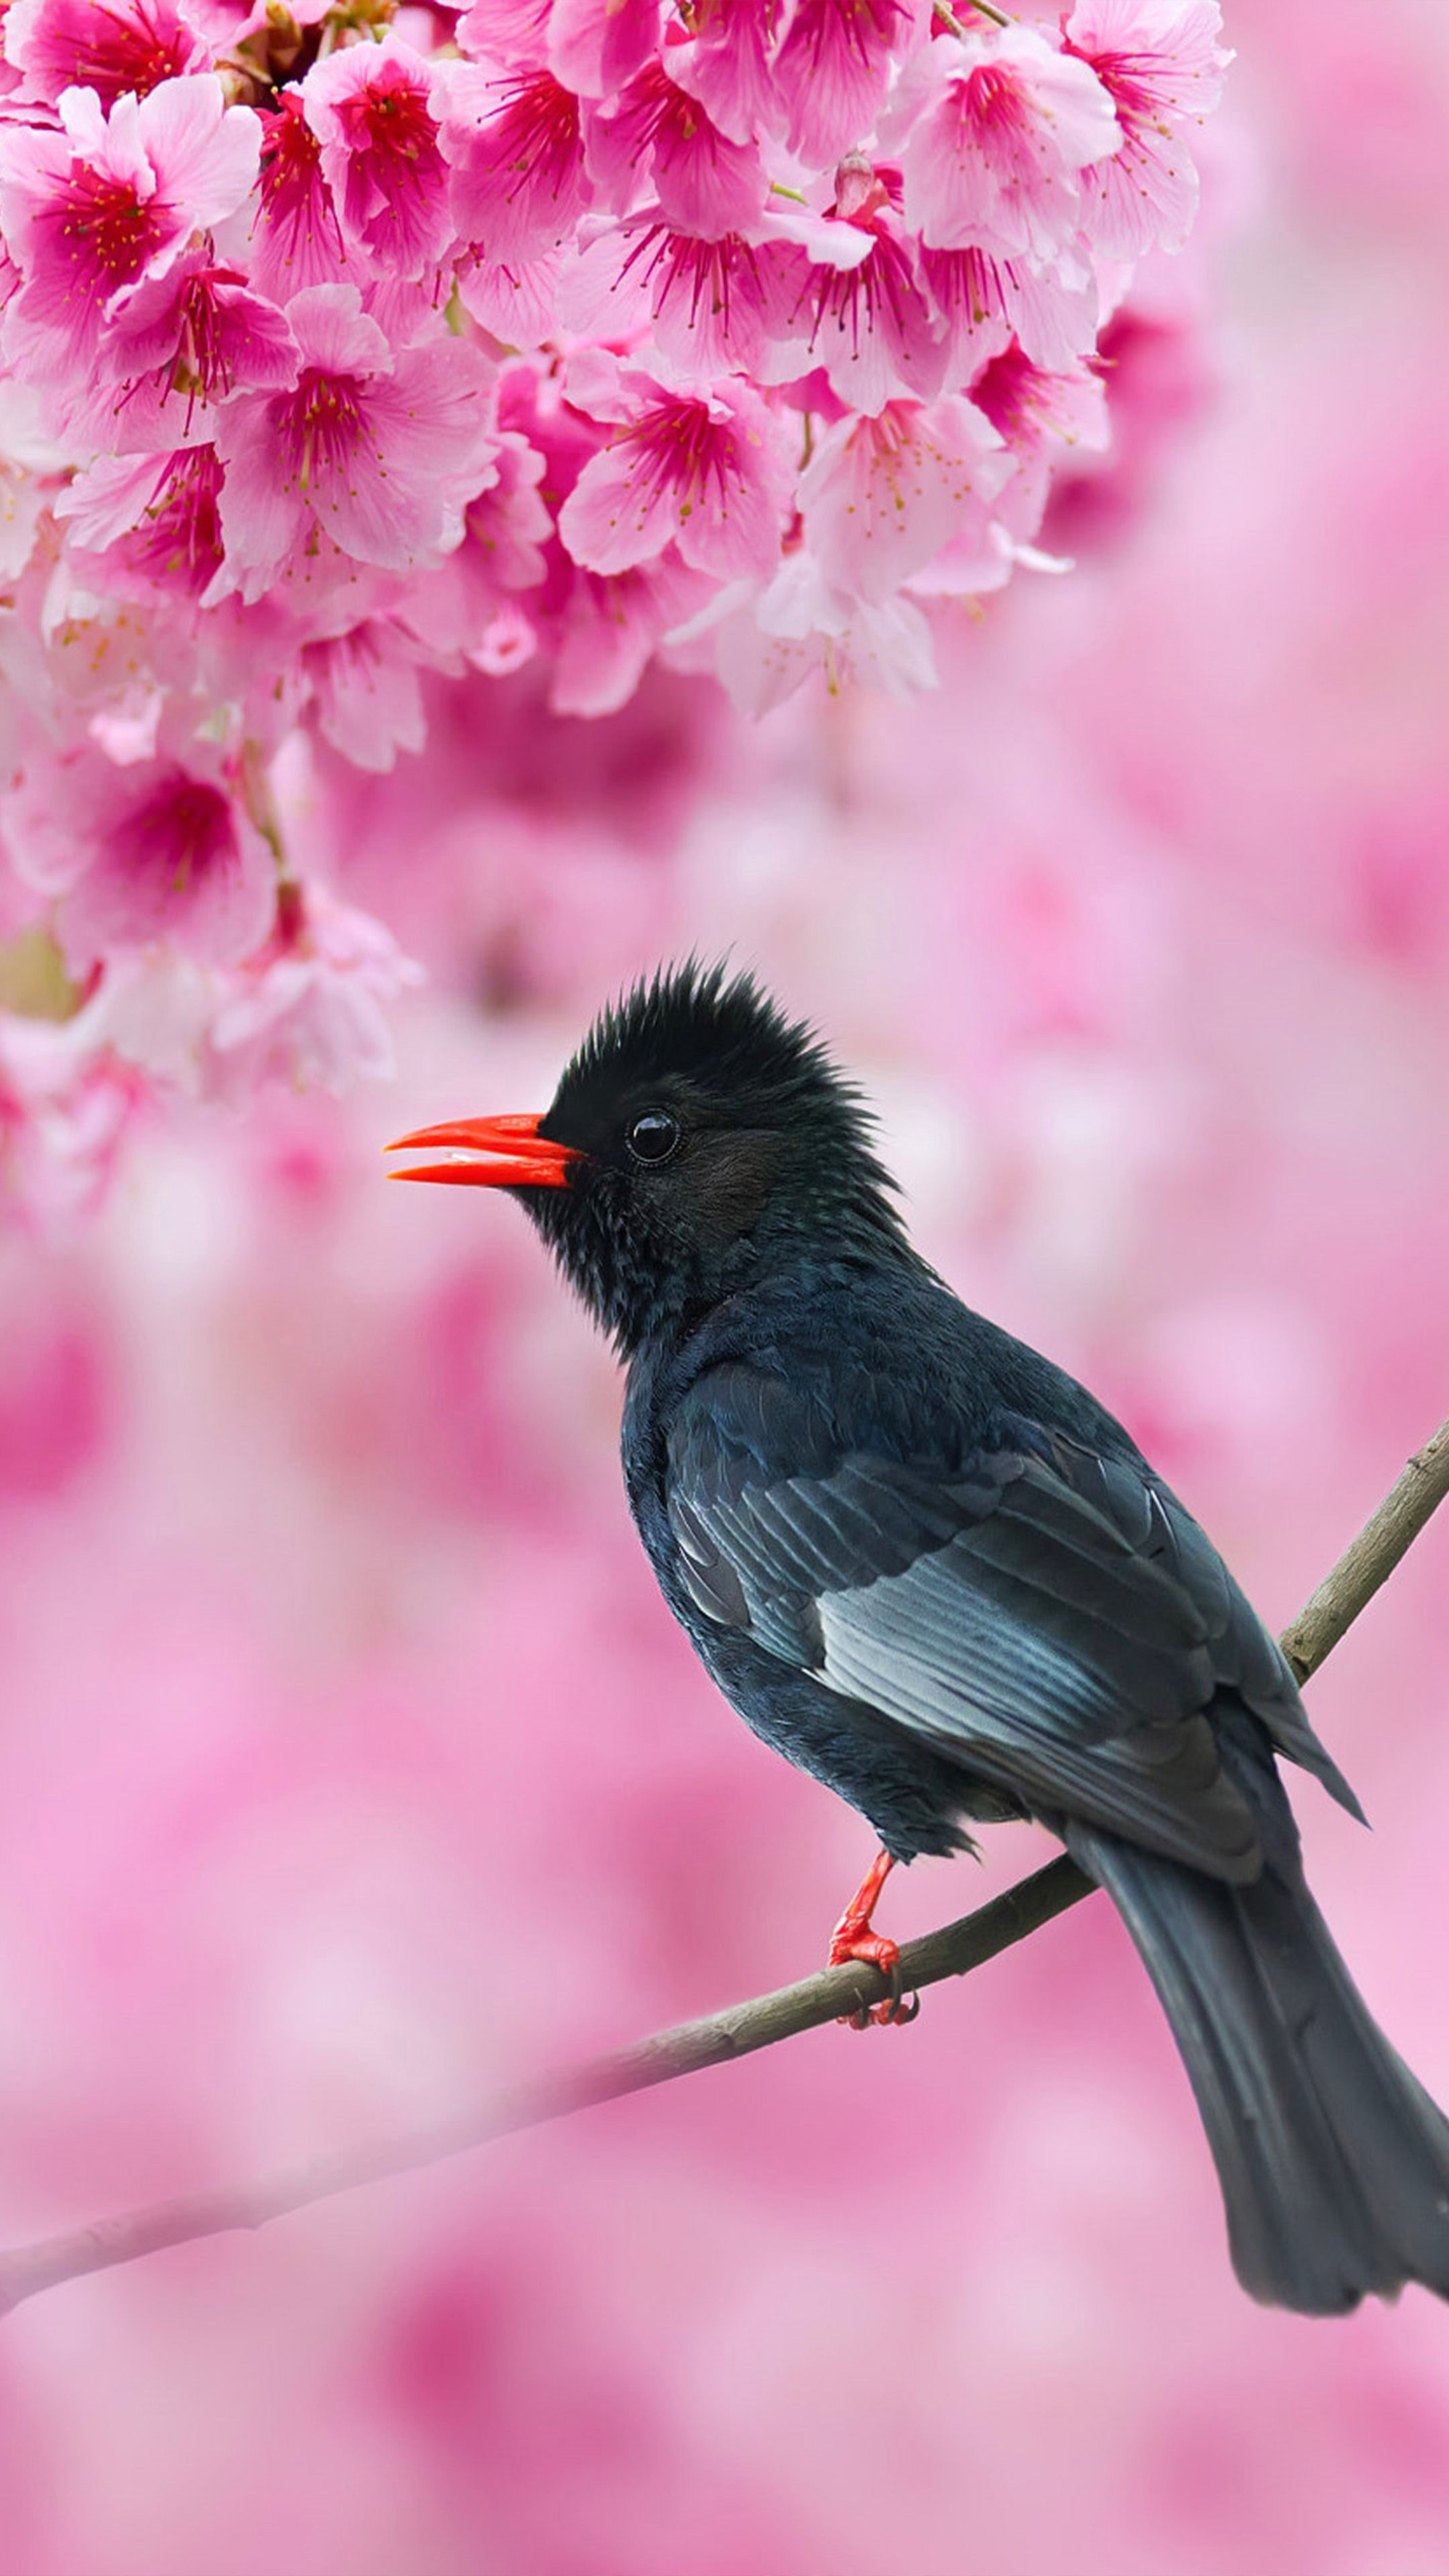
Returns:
(1054,1616)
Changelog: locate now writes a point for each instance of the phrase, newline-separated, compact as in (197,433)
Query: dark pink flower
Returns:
(151,523)
(1040,413)
(106,45)
(831,71)
(372,448)
(181,344)
(705,184)
(371,108)
(94,211)
(519,180)
(712,305)
(157,851)
(1161,64)
(296,237)
(855,305)
(707,473)
(992,134)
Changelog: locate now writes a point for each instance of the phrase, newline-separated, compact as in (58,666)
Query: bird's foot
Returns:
(854,1939)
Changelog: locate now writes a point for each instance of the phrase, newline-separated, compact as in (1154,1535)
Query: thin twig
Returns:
(1373,1556)
(735,2033)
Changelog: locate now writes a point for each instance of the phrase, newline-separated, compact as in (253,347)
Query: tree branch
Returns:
(735,2033)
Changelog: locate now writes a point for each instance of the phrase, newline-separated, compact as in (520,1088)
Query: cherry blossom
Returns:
(109,203)
(370,107)
(516,146)
(708,474)
(151,851)
(706,185)
(993,130)
(883,495)
(367,450)
(1161,64)
(296,236)
(354,360)
(109,46)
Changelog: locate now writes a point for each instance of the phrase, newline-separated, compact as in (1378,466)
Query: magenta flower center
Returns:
(183,827)
(861,301)
(108,228)
(390,119)
(293,193)
(1128,79)
(538,136)
(680,450)
(992,108)
(111,54)
(323,426)
(701,273)
(177,538)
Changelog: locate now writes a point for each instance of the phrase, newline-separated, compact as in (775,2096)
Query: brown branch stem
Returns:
(736,2032)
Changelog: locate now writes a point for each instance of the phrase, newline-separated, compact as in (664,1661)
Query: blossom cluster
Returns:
(347,345)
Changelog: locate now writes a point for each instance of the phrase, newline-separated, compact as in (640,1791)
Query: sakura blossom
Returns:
(353,358)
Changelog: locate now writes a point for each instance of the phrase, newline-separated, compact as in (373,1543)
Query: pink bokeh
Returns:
(350,1767)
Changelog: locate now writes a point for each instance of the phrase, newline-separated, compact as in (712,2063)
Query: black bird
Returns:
(931,1569)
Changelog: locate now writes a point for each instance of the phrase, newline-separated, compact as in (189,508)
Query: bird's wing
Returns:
(1052,1616)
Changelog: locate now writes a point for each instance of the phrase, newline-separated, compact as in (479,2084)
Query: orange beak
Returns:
(490,1153)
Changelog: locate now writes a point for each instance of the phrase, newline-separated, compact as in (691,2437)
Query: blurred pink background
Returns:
(350,1766)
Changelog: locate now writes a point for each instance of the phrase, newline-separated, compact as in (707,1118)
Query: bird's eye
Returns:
(654,1137)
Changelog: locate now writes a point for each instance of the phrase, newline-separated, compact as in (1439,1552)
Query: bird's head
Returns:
(697,1138)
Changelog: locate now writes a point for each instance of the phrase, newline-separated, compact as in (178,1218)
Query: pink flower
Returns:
(1039,414)
(63,1117)
(986,302)
(296,237)
(517,300)
(154,519)
(311,1010)
(519,181)
(992,134)
(711,307)
(373,449)
(107,204)
(727,65)
(766,643)
(371,108)
(507,527)
(155,851)
(708,473)
(831,71)
(365,690)
(705,184)
(512,31)
(855,304)
(881,497)
(180,343)
(1161,64)
(611,627)
(595,46)
(109,46)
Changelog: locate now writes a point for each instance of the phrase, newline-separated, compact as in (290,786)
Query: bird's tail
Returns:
(1333,2160)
